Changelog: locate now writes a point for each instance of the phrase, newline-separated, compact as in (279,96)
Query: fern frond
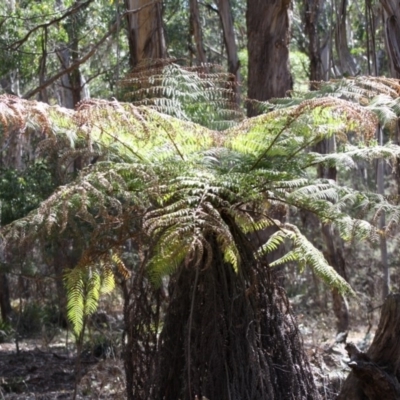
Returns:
(203,94)
(74,282)
(92,291)
(305,253)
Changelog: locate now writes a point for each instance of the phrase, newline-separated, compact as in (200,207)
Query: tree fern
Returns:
(202,94)
(184,187)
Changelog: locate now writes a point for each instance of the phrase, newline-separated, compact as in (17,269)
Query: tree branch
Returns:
(74,9)
(82,60)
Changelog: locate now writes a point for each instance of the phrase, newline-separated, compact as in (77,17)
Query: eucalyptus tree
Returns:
(268,35)
(145,31)
(391,18)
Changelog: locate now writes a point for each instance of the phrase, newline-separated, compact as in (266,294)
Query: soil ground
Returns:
(48,371)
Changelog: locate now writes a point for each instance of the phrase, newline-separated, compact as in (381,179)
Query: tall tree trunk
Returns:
(380,175)
(392,33)
(195,30)
(319,54)
(333,251)
(145,30)
(225,14)
(65,95)
(43,67)
(71,85)
(346,61)
(337,261)
(376,373)
(319,70)
(10,82)
(268,31)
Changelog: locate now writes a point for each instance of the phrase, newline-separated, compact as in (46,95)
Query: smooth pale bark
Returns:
(392,33)
(225,14)
(65,97)
(375,374)
(195,28)
(10,82)
(346,61)
(268,30)
(145,30)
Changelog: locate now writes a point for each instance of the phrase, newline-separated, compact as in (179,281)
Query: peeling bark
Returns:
(145,30)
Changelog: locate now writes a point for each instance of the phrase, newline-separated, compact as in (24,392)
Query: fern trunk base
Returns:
(376,373)
(231,335)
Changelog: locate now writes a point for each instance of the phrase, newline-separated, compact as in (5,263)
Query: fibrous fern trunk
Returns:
(5,303)
(230,335)
(376,373)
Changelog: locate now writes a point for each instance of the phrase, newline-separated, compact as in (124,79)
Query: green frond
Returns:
(84,285)
(248,224)
(231,256)
(107,280)
(305,253)
(75,287)
(383,106)
(182,185)
(357,229)
(274,241)
(286,132)
(121,268)
(92,280)
(291,256)
(166,259)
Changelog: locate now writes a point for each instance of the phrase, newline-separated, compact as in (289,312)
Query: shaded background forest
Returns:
(167,55)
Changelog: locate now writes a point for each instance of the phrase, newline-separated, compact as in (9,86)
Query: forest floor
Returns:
(47,370)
